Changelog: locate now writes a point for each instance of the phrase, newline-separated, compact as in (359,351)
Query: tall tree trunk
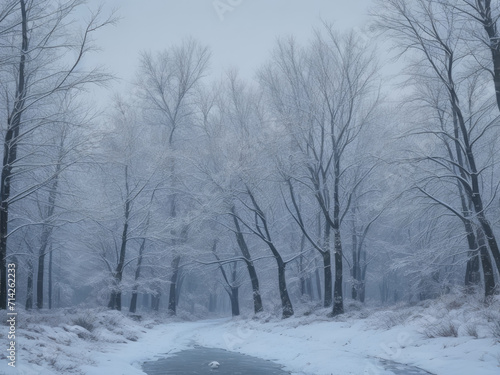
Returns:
(29,289)
(309,288)
(338,299)
(174,290)
(212,302)
(384,289)
(359,283)
(145,300)
(155,301)
(327,274)
(325,249)
(327,268)
(40,277)
(490,237)
(172,298)
(489,278)
(318,280)
(362,290)
(302,279)
(355,263)
(496,69)
(235,304)
(115,301)
(488,21)
(286,303)
(240,239)
(181,277)
(133,300)
(476,250)
(10,154)
(472,275)
(50,277)
(473,190)
(234,288)
(265,235)
(58,296)
(302,276)
(41,264)
(47,229)
(231,287)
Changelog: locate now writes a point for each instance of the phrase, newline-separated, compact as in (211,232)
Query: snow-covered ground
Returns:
(310,343)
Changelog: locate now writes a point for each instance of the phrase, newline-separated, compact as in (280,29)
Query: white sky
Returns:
(242,37)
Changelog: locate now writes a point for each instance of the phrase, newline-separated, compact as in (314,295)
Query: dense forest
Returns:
(327,178)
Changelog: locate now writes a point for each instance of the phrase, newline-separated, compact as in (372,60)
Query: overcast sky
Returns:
(240,33)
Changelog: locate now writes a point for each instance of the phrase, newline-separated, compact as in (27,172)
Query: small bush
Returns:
(354,306)
(112,320)
(84,322)
(491,316)
(442,330)
(454,305)
(495,330)
(390,319)
(135,317)
(471,330)
(87,336)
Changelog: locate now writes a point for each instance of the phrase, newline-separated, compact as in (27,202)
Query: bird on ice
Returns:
(214,364)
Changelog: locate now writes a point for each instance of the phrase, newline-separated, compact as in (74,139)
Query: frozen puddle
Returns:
(195,361)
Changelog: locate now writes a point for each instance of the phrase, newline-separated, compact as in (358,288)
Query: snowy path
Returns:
(300,355)
(306,345)
(156,343)
(314,348)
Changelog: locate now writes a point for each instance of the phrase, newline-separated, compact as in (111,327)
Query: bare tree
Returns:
(119,213)
(242,244)
(324,96)
(430,29)
(232,281)
(261,228)
(38,54)
(228,113)
(485,14)
(167,84)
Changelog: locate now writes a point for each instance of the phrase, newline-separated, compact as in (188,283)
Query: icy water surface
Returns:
(195,361)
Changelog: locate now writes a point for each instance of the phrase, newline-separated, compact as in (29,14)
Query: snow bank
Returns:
(453,335)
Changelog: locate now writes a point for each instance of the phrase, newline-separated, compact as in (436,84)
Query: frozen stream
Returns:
(195,361)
